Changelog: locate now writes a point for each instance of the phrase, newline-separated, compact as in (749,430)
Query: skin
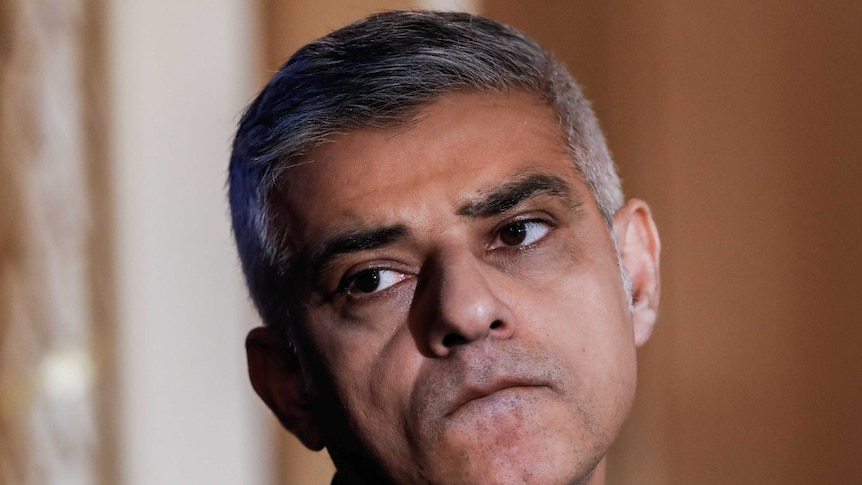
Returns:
(462,305)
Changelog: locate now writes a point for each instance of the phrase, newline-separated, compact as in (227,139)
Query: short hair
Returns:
(379,72)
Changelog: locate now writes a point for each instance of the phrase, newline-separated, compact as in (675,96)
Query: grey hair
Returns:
(379,72)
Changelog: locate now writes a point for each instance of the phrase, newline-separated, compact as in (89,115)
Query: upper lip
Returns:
(472,392)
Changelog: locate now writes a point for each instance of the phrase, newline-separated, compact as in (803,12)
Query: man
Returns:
(434,234)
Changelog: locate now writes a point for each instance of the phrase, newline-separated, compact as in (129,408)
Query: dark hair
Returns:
(379,72)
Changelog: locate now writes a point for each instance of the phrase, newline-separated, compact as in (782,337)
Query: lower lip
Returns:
(504,400)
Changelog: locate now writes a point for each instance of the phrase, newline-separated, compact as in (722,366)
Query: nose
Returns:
(461,303)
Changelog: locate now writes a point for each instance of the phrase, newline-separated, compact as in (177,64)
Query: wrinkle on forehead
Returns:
(445,155)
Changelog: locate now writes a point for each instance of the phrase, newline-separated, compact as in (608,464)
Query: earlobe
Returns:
(640,248)
(277,378)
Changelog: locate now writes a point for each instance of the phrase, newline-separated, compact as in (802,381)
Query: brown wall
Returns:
(741,123)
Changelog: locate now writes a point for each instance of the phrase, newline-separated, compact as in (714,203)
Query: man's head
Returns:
(426,211)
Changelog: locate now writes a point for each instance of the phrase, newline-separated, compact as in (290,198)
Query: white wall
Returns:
(181,72)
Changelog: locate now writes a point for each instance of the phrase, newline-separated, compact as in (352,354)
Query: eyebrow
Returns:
(509,194)
(353,241)
(499,200)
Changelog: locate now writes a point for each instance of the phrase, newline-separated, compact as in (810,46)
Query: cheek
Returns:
(575,287)
(590,320)
(597,347)
(371,370)
(581,313)
(367,372)
(594,338)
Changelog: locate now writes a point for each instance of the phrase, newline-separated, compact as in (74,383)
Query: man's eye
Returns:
(371,281)
(521,233)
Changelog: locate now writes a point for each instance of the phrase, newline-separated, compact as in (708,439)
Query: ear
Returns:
(639,245)
(277,378)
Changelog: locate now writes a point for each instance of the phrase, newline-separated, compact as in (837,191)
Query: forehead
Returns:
(458,147)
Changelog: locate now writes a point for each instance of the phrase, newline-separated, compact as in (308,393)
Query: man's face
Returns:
(463,296)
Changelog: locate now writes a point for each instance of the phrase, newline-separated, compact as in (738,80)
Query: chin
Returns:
(550,467)
(507,442)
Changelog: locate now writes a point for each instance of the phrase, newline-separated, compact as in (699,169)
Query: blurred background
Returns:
(123,313)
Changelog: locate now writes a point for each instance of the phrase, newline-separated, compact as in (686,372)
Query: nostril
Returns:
(453,339)
(496,324)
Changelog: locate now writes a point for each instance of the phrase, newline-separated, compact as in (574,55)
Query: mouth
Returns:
(475,394)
